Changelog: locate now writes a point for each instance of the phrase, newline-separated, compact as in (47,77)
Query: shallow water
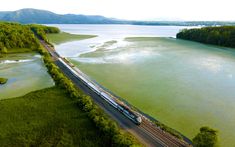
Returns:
(108,33)
(25,73)
(183,84)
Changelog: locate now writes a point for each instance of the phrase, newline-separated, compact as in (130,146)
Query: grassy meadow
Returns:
(46,118)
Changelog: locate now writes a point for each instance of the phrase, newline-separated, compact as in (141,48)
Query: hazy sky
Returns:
(134,9)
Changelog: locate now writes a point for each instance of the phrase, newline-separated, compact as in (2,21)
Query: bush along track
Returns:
(102,121)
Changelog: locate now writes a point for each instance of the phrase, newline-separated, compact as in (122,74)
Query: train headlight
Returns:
(139,119)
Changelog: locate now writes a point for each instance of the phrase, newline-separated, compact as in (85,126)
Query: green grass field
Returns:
(66,37)
(46,118)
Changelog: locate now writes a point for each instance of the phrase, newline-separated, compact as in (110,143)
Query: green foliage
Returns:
(3,49)
(47,118)
(3,80)
(169,130)
(13,35)
(207,137)
(40,31)
(223,36)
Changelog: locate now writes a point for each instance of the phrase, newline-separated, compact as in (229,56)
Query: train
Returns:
(121,107)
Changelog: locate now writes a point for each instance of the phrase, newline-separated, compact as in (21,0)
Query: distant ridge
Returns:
(46,17)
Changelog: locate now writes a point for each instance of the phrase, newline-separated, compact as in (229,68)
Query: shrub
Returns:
(207,137)
(3,80)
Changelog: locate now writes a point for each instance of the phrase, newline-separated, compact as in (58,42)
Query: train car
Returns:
(108,99)
(67,61)
(130,114)
(56,53)
(70,68)
(97,91)
(81,76)
(73,71)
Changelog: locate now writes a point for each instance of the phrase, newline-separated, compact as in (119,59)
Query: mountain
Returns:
(47,17)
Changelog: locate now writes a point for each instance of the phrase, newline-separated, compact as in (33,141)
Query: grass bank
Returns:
(46,118)
(58,38)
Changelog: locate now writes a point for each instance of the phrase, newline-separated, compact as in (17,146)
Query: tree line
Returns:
(222,35)
(17,36)
(40,31)
(14,35)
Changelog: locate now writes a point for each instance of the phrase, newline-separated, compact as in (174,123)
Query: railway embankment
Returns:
(165,137)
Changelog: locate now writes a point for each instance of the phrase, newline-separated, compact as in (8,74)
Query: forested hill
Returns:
(16,37)
(27,16)
(222,36)
(47,17)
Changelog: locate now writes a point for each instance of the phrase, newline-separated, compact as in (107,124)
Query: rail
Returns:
(165,138)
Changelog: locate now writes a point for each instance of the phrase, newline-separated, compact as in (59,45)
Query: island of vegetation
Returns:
(58,116)
(222,36)
(3,80)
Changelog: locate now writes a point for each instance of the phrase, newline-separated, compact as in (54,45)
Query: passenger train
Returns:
(103,94)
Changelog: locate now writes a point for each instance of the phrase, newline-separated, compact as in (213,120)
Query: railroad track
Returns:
(152,133)
(165,137)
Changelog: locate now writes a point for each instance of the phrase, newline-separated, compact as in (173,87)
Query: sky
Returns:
(195,10)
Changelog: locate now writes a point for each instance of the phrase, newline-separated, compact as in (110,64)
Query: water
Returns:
(25,73)
(183,84)
(107,33)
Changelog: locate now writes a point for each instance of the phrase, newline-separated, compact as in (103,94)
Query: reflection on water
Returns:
(108,33)
(122,57)
(212,64)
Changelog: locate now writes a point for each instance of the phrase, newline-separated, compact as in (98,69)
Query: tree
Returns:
(3,49)
(223,35)
(207,137)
